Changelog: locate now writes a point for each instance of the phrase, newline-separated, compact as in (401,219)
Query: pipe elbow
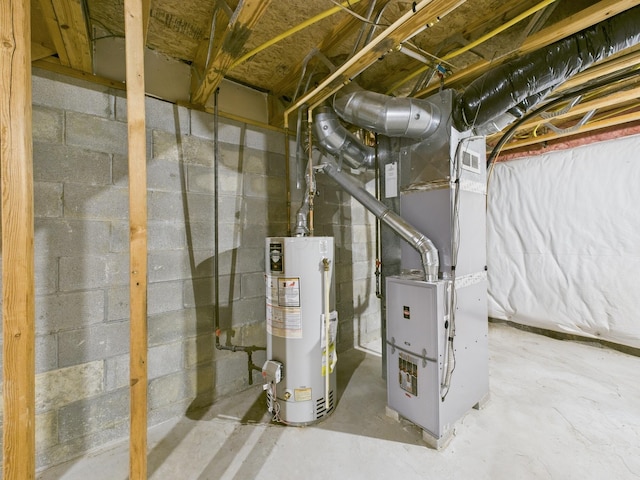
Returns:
(336,140)
(391,116)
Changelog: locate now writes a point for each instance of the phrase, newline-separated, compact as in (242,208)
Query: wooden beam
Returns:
(134,53)
(239,28)
(16,173)
(209,47)
(68,29)
(39,51)
(597,124)
(73,28)
(570,25)
(50,19)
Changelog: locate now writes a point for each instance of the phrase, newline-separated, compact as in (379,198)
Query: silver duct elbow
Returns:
(335,139)
(390,116)
(425,247)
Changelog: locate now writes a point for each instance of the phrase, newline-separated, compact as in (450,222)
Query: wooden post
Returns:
(16,173)
(134,34)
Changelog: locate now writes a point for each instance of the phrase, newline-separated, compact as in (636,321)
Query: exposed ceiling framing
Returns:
(301,52)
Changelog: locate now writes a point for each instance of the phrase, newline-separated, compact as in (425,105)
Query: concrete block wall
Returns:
(81,260)
(81,249)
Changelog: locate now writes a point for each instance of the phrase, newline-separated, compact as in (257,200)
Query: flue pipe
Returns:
(425,247)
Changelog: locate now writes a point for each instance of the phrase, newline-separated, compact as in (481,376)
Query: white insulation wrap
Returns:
(563,241)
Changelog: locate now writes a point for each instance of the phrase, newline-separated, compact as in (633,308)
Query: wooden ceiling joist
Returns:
(245,16)
(67,24)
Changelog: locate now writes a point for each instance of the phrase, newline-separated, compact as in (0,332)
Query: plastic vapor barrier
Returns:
(563,241)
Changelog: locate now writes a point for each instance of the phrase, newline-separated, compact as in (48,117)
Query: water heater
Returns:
(301,329)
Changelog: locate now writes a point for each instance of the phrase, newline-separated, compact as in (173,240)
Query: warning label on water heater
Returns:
(284,318)
(288,292)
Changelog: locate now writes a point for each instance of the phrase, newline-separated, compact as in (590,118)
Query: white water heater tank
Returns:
(299,294)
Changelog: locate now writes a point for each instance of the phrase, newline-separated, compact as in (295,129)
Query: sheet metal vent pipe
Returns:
(425,247)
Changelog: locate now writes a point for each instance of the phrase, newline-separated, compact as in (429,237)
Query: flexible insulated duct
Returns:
(425,247)
(391,116)
(340,142)
(522,80)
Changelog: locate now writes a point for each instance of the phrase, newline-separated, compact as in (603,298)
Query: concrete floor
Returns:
(558,410)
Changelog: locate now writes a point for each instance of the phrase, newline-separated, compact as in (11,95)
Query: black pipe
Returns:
(539,72)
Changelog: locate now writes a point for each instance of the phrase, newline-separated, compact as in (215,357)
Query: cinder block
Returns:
(57,388)
(251,310)
(254,334)
(93,271)
(164,297)
(200,179)
(165,359)
(170,389)
(276,165)
(63,163)
(46,429)
(170,235)
(47,199)
(202,125)
(160,115)
(250,260)
(167,176)
(94,342)
(263,186)
(364,252)
(46,275)
(117,303)
(231,374)
(90,415)
(202,235)
(65,451)
(265,140)
(47,125)
(67,311)
(229,243)
(258,212)
(58,237)
(253,285)
(230,208)
(230,156)
(160,236)
(96,202)
(199,350)
(81,131)
(169,265)
(166,205)
(254,161)
(69,94)
(186,148)
(170,327)
(363,234)
(46,353)
(116,373)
